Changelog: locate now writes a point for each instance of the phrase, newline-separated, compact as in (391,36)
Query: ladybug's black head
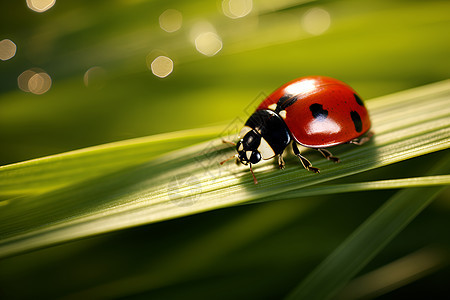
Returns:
(247,148)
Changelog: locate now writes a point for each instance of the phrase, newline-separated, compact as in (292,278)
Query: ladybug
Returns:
(315,111)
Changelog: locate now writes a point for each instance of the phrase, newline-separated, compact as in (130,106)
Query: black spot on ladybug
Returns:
(358,100)
(284,102)
(356,121)
(318,112)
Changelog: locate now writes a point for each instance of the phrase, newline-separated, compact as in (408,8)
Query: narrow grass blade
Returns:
(364,186)
(396,274)
(47,173)
(367,241)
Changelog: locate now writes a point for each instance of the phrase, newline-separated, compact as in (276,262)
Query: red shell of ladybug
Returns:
(319,111)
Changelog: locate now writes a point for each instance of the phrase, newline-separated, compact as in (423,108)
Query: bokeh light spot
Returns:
(316,21)
(34,81)
(39,83)
(162,66)
(7,49)
(94,77)
(208,43)
(170,20)
(40,5)
(22,80)
(237,8)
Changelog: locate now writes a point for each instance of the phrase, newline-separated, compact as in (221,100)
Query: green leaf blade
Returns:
(190,180)
(52,172)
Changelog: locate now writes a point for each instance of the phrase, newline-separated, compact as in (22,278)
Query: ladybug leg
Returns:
(306,163)
(281,161)
(230,158)
(234,156)
(362,140)
(327,154)
(228,142)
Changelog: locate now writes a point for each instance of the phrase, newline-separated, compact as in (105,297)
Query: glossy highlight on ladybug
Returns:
(315,112)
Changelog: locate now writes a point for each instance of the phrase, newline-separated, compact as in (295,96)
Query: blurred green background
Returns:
(99,57)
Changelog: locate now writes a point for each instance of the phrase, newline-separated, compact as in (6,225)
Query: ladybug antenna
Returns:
(253,174)
(229,158)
